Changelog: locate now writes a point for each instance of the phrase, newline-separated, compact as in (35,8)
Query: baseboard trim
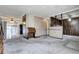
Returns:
(40,36)
(55,37)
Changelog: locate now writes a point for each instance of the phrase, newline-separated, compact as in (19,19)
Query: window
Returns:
(12,31)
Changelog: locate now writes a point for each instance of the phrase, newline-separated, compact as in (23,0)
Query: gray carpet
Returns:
(42,45)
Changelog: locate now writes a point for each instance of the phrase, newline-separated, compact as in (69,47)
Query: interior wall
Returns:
(4,28)
(30,21)
(48,22)
(37,22)
(12,29)
(71,27)
(40,26)
(55,22)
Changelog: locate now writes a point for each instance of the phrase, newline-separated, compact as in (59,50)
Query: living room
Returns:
(40,31)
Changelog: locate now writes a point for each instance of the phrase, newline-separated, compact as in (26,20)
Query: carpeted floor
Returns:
(42,45)
(1,45)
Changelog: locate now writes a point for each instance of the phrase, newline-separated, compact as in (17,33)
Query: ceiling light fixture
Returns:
(69,19)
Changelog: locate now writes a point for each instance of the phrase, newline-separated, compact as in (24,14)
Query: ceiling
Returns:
(37,10)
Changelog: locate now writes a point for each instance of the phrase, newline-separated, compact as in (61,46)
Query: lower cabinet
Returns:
(56,31)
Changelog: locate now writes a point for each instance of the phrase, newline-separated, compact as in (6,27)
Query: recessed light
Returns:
(69,19)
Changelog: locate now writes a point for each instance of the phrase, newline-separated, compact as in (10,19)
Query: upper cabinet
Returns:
(55,22)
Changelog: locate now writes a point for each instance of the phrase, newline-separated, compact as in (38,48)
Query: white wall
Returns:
(30,21)
(40,26)
(48,25)
(38,23)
